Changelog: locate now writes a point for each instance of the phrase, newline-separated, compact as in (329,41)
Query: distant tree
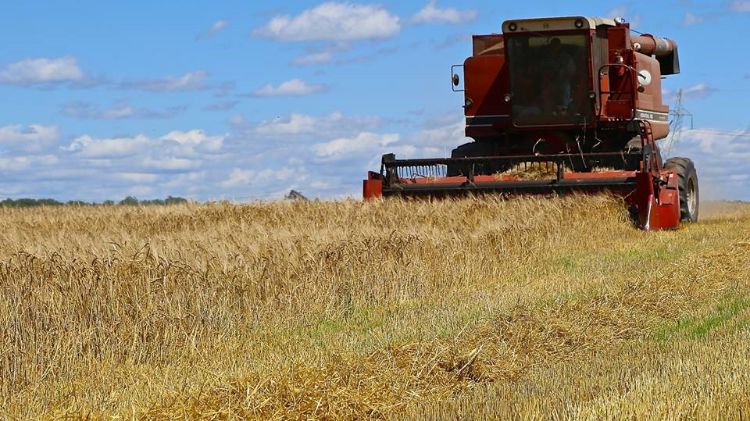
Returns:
(50,202)
(129,201)
(78,203)
(171,200)
(156,202)
(27,203)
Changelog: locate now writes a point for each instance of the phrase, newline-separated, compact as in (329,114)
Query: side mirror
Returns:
(455,79)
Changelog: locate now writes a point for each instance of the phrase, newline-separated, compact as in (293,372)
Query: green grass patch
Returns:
(699,327)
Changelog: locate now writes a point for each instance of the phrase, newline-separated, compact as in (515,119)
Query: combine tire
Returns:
(463,151)
(687,181)
(473,149)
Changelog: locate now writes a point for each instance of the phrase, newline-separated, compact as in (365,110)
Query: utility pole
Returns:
(678,112)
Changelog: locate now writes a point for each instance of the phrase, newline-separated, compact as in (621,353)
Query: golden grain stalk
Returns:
(459,308)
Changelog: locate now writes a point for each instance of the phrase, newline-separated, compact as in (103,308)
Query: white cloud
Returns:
(444,135)
(740,6)
(347,147)
(313,58)
(33,139)
(36,71)
(217,27)
(138,177)
(140,191)
(294,87)
(721,158)
(195,139)
(170,163)
(192,81)
(240,177)
(698,91)
(266,159)
(32,133)
(89,147)
(303,124)
(177,151)
(333,21)
(117,111)
(692,19)
(19,163)
(294,124)
(433,14)
(99,168)
(191,181)
(297,143)
(329,53)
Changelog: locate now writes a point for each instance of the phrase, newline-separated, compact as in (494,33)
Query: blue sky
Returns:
(245,100)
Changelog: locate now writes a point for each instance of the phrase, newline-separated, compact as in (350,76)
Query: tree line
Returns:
(128,201)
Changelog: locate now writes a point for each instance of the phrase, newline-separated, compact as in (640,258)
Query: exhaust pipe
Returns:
(664,49)
(651,45)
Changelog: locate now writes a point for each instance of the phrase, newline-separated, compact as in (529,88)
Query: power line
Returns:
(678,113)
(722,132)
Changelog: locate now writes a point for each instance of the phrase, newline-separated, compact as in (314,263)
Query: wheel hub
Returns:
(692,198)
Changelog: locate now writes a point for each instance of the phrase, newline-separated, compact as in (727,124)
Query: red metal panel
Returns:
(486,82)
(372,189)
(665,214)
(657,210)
(650,96)
(618,37)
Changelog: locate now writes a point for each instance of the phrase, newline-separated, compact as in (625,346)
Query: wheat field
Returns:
(457,309)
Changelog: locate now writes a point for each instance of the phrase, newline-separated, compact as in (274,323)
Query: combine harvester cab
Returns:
(577,100)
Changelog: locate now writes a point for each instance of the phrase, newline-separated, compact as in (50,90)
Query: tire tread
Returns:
(684,168)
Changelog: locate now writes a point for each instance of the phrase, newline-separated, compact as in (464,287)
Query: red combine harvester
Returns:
(576,99)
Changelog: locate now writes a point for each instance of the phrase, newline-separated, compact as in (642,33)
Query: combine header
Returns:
(574,101)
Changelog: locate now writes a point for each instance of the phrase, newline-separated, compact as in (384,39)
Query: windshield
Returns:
(549,79)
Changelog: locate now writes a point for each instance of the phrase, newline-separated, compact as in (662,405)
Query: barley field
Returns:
(465,309)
